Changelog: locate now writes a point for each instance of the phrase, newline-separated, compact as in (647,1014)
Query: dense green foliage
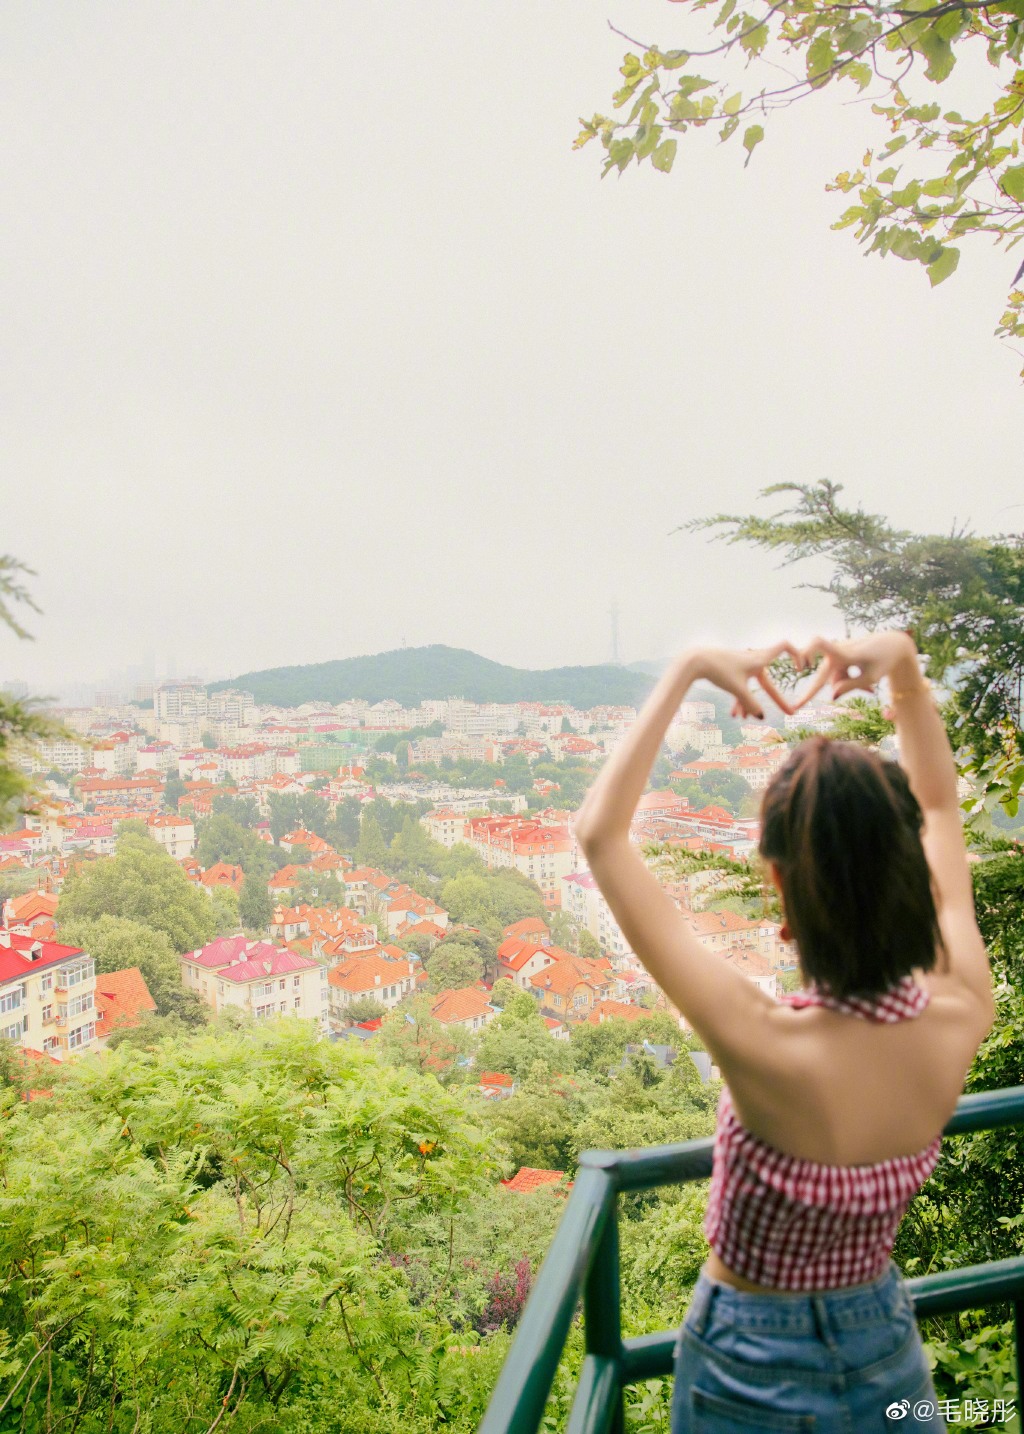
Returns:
(141,884)
(411,675)
(212,1228)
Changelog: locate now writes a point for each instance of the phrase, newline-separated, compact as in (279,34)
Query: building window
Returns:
(297,1003)
(81,1036)
(296,982)
(281,985)
(77,972)
(15,1031)
(51,1043)
(46,984)
(47,1013)
(262,1012)
(10,1000)
(80,1003)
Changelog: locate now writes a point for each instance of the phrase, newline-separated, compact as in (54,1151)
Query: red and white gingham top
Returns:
(794,1224)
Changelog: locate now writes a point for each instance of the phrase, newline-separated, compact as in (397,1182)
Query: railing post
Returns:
(599,1406)
(602,1313)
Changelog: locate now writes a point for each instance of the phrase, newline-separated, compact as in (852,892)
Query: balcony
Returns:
(583,1261)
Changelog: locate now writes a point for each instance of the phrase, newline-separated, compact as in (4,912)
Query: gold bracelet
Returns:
(923,687)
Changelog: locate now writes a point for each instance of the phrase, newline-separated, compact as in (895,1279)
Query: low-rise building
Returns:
(257,977)
(47,995)
(466,1006)
(384,978)
(177,835)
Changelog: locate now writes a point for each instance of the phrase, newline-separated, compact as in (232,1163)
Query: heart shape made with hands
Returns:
(815,664)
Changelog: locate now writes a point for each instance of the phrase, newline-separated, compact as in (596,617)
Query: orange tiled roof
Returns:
(33,903)
(527,1179)
(608,1010)
(463,1004)
(531,926)
(122,998)
(222,873)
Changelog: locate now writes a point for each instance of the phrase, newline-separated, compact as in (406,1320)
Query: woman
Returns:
(834,1098)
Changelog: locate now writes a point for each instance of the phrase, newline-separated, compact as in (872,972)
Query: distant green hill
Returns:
(411,674)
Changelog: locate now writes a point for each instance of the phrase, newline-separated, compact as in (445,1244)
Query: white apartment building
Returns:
(61,755)
(481,719)
(232,708)
(696,712)
(176,835)
(181,710)
(157,757)
(372,976)
(257,977)
(47,995)
(444,826)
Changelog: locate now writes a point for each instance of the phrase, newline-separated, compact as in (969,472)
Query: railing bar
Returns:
(648,1356)
(524,1384)
(987,1110)
(598,1393)
(950,1290)
(525,1381)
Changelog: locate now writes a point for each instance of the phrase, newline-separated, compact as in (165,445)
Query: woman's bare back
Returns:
(840,1090)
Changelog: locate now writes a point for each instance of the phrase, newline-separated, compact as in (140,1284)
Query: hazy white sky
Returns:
(319,337)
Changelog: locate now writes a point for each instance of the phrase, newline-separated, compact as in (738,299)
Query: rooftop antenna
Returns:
(613,613)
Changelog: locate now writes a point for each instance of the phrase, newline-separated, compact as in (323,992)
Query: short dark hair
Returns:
(844,829)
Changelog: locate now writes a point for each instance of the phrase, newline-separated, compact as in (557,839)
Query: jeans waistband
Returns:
(797,1314)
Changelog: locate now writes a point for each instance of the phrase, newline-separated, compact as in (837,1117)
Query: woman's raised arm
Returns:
(725,1009)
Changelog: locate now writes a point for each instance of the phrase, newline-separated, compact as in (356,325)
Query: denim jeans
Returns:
(833,1363)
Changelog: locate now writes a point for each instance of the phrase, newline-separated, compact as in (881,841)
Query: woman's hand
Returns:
(860,663)
(734,671)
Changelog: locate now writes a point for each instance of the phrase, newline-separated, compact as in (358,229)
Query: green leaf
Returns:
(1011,182)
(732,104)
(690,84)
(754,41)
(752,137)
(943,265)
(888,175)
(646,140)
(939,188)
(675,59)
(729,128)
(664,155)
(939,55)
(820,57)
(857,71)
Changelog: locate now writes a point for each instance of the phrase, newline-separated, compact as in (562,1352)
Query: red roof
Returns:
(236,959)
(496,1078)
(16,955)
(527,1179)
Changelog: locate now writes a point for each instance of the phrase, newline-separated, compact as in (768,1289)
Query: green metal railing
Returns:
(583,1261)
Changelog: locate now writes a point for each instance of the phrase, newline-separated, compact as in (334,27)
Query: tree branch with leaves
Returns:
(971,179)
